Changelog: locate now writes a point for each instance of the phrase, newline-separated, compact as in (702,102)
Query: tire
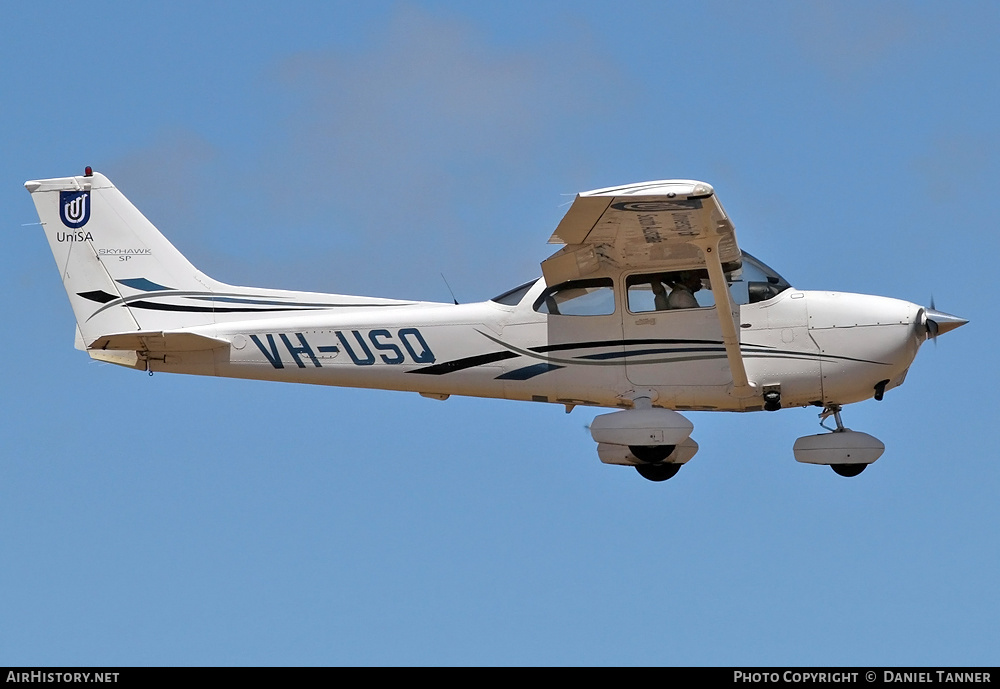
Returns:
(848,470)
(651,453)
(658,472)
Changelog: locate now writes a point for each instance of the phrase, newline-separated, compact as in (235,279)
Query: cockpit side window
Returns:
(593,297)
(667,291)
(750,281)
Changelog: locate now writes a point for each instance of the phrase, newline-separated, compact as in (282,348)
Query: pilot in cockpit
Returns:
(682,291)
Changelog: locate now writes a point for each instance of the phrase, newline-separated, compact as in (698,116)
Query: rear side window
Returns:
(513,297)
(594,297)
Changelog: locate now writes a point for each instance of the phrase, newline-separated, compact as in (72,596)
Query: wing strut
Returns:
(728,317)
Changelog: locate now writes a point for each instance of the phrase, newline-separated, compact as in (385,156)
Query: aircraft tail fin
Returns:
(115,265)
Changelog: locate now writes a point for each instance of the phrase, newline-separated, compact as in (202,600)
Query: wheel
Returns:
(848,470)
(652,453)
(657,472)
(772,400)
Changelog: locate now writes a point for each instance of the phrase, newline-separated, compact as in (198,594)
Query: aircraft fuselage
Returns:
(819,347)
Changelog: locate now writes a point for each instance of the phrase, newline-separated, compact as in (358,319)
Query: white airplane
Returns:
(650,308)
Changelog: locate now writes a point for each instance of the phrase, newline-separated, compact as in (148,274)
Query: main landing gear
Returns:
(655,441)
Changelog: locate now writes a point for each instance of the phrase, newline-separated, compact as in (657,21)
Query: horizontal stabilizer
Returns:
(127,359)
(155,341)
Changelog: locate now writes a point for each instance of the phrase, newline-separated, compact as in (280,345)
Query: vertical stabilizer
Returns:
(111,258)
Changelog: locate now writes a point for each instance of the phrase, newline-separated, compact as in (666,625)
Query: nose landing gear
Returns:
(845,451)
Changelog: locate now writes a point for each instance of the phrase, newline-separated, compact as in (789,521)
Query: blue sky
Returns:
(368,148)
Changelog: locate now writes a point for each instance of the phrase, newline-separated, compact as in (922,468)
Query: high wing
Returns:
(659,225)
(664,225)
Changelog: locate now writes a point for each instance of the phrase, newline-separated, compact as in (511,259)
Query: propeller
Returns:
(938,322)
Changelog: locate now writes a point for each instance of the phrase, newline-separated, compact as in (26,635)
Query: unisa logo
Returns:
(74,208)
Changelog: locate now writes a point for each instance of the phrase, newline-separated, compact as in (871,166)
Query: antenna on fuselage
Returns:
(449,289)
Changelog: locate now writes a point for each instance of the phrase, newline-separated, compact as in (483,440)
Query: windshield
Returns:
(755,281)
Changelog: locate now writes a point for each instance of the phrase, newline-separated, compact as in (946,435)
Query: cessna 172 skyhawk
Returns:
(650,307)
